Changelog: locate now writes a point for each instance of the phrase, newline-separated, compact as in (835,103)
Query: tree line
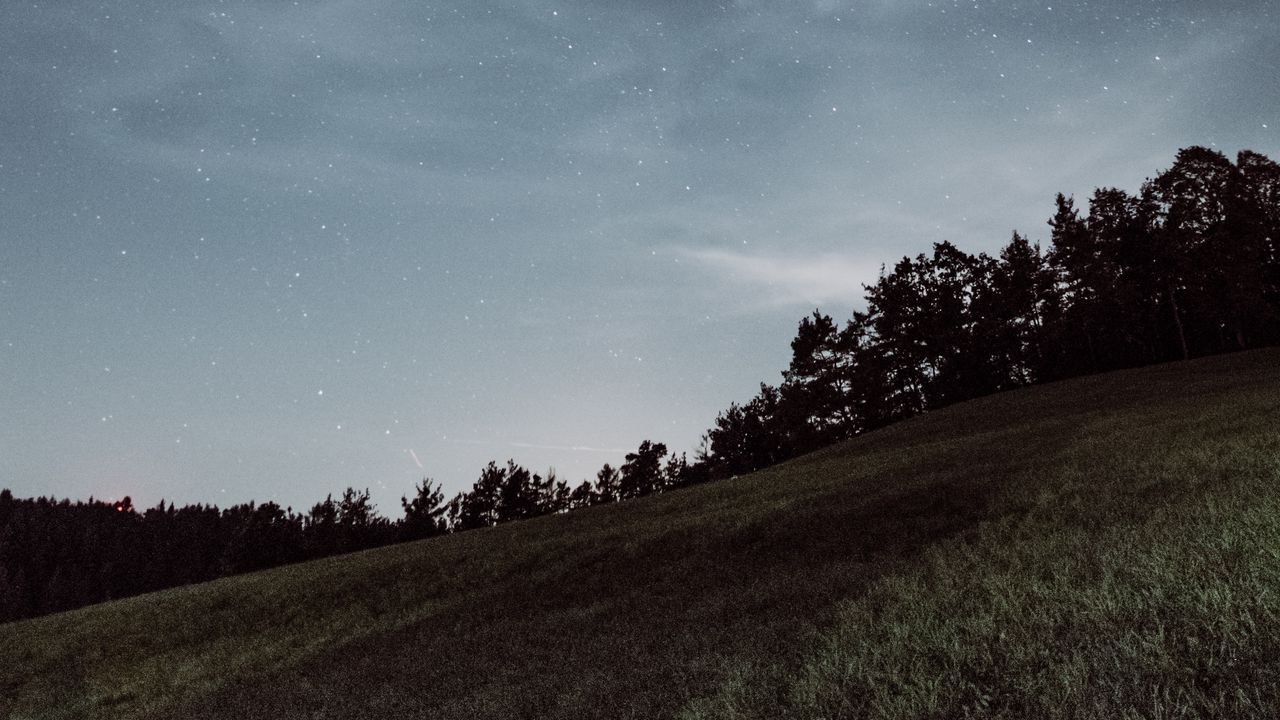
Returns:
(1187,266)
(58,555)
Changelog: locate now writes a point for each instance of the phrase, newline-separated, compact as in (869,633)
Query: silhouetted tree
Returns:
(359,524)
(520,494)
(608,487)
(923,330)
(816,396)
(582,496)
(424,515)
(262,537)
(676,472)
(1083,281)
(642,472)
(1010,313)
(747,437)
(1204,215)
(555,494)
(479,507)
(1259,200)
(321,528)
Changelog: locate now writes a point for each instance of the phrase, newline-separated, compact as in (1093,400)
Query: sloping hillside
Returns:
(1095,548)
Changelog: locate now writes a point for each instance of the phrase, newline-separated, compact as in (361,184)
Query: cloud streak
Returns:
(790,279)
(538,446)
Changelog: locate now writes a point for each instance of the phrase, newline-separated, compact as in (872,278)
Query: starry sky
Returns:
(267,250)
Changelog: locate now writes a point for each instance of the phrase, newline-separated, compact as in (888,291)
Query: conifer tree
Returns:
(424,515)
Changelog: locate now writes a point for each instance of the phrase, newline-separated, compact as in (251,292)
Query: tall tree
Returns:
(582,496)
(608,487)
(1137,276)
(555,494)
(262,536)
(817,403)
(1083,279)
(869,369)
(923,327)
(478,507)
(322,528)
(1261,195)
(747,437)
(1217,268)
(642,473)
(519,494)
(424,515)
(895,312)
(1010,314)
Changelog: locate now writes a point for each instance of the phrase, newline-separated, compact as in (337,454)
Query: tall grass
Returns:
(1134,582)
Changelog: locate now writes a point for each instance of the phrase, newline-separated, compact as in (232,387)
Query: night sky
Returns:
(267,250)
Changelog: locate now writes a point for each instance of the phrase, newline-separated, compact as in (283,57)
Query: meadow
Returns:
(1104,547)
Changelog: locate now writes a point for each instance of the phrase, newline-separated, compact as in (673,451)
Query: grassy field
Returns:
(1101,548)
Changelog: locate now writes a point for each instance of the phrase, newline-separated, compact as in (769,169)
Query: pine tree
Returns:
(642,473)
(424,515)
(608,487)
(816,393)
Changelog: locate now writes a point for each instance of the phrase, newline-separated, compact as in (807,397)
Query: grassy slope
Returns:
(1097,548)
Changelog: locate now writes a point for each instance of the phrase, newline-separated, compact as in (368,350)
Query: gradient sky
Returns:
(267,250)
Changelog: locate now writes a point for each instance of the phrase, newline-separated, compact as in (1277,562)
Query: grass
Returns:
(1104,547)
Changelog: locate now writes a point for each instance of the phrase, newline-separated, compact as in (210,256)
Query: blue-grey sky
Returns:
(267,250)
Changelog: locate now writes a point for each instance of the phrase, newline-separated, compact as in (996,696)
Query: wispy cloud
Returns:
(776,279)
(537,446)
(569,448)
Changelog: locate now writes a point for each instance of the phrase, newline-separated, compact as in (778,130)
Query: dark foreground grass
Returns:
(1107,547)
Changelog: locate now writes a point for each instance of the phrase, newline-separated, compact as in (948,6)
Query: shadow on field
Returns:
(623,629)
